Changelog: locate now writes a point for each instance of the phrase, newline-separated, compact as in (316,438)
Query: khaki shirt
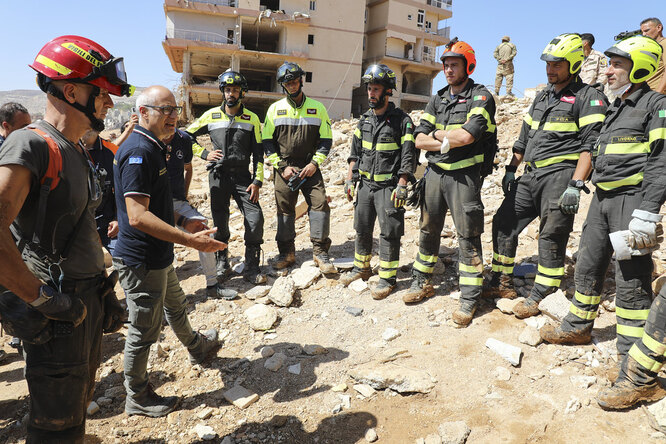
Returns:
(505,51)
(656,78)
(594,68)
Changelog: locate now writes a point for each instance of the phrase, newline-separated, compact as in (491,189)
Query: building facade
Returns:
(332,40)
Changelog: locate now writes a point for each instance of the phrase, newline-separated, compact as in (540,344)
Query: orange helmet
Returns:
(79,59)
(456,48)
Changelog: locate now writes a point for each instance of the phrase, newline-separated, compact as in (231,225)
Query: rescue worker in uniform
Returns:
(593,70)
(381,161)
(556,140)
(235,132)
(630,180)
(78,76)
(504,54)
(456,129)
(297,139)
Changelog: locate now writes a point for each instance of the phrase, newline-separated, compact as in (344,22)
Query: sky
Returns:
(135,30)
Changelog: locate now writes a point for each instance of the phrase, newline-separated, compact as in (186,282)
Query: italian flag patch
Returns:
(479,98)
(662,113)
(596,103)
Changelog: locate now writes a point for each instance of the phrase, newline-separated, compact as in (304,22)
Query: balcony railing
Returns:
(444,32)
(443,4)
(202,36)
(232,3)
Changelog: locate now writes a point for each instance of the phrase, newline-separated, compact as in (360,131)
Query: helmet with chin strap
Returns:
(79,60)
(462,50)
(644,54)
(232,78)
(288,72)
(565,48)
(381,75)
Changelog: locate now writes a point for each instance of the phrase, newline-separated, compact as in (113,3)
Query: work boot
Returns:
(204,347)
(381,290)
(613,372)
(421,288)
(324,263)
(16,344)
(624,394)
(499,286)
(227,294)
(526,309)
(355,274)
(149,403)
(555,335)
(464,314)
(252,272)
(222,266)
(285,260)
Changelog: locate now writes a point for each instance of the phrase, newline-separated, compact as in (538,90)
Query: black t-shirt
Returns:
(103,161)
(180,153)
(65,206)
(140,170)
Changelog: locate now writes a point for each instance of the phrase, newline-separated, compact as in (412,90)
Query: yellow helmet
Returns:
(643,52)
(565,47)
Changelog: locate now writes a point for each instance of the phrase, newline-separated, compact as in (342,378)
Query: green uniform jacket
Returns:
(630,153)
(560,126)
(294,136)
(238,137)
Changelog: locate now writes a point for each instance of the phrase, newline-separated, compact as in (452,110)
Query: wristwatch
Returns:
(45,295)
(577,184)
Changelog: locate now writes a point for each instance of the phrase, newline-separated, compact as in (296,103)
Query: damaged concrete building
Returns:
(333,41)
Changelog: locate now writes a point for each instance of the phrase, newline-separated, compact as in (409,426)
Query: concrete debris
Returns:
(240,396)
(433,438)
(454,432)
(282,293)
(305,276)
(294,369)
(93,408)
(555,305)
(396,378)
(206,413)
(345,401)
(658,411)
(530,336)
(104,401)
(502,373)
(536,321)
(390,334)
(339,388)
(257,292)
(358,286)
(267,352)
(572,406)
(365,390)
(275,362)
(115,392)
(583,382)
(204,432)
(371,435)
(506,305)
(354,311)
(509,352)
(261,317)
(314,349)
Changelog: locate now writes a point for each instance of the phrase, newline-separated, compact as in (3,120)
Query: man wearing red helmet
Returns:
(58,267)
(457,130)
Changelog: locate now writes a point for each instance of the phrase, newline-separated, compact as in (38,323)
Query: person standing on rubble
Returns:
(381,161)
(504,54)
(556,140)
(630,179)
(235,132)
(457,129)
(297,138)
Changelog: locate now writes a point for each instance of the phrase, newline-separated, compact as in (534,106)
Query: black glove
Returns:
(509,179)
(59,306)
(114,313)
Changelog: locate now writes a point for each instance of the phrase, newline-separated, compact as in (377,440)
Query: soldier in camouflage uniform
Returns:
(593,70)
(504,54)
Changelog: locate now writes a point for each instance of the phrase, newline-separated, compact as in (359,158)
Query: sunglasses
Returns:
(166,110)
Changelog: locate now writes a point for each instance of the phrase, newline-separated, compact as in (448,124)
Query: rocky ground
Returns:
(305,360)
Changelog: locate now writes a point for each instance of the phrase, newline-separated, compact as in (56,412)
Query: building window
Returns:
(428,26)
(230,36)
(308,77)
(313,5)
(409,16)
(310,39)
(420,18)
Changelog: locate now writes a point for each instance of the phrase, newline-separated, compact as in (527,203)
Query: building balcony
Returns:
(236,8)
(442,4)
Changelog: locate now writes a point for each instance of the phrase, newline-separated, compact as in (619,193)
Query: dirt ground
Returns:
(531,406)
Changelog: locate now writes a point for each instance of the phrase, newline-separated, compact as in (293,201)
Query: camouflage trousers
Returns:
(498,82)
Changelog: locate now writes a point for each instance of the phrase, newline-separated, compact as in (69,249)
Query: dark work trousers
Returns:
(61,372)
(633,277)
(459,192)
(647,355)
(314,193)
(536,194)
(224,185)
(374,204)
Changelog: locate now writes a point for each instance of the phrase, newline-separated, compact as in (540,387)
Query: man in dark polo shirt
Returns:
(144,251)
(179,167)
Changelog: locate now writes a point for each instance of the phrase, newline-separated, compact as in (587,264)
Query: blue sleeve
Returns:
(136,174)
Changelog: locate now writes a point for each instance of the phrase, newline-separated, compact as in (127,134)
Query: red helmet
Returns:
(75,58)
(462,50)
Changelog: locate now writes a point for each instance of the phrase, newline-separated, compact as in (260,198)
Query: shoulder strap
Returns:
(52,176)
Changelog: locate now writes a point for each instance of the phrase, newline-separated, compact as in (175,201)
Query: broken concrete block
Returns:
(364,389)
(555,305)
(582,381)
(506,305)
(305,276)
(282,293)
(257,292)
(454,432)
(275,362)
(261,317)
(240,396)
(204,432)
(402,380)
(358,286)
(530,336)
(509,352)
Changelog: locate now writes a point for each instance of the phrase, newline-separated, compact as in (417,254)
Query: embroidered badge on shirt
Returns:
(596,103)
(568,99)
(662,113)
(312,111)
(217,115)
(282,112)
(465,100)
(135,160)
(245,117)
(479,98)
